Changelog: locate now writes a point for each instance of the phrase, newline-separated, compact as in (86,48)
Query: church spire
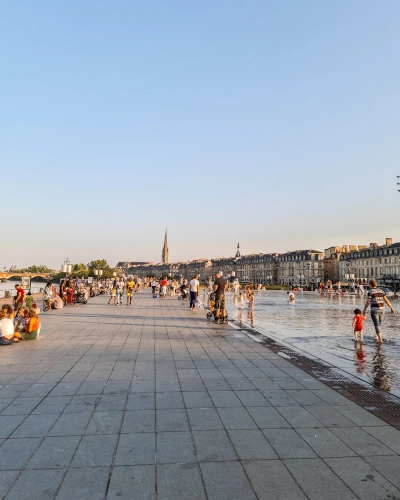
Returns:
(238,254)
(164,255)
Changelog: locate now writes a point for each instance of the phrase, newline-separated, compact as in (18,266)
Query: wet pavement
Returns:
(321,326)
(150,401)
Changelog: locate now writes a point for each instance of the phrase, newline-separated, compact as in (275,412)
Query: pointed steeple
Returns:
(164,255)
(238,254)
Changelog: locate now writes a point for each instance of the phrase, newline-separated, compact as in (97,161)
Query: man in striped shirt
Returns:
(377,299)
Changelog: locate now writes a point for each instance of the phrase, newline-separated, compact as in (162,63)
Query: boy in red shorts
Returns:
(358,326)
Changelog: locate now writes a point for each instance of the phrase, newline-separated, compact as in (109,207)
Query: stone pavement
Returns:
(152,402)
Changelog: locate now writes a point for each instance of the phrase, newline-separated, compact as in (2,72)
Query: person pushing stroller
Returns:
(184,290)
(220,286)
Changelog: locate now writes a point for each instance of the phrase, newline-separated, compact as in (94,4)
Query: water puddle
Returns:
(321,327)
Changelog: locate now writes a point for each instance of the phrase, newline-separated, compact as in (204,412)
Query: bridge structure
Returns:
(4,276)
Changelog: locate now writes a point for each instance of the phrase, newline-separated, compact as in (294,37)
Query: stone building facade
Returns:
(201,267)
(301,267)
(379,262)
(332,260)
(257,268)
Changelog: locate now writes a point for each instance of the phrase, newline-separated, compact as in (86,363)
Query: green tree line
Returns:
(78,270)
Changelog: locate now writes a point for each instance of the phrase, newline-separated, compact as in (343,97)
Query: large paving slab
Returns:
(151,401)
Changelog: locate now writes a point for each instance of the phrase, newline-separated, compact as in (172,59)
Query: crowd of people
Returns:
(19,321)
(70,292)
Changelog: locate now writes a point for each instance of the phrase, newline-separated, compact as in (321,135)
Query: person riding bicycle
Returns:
(220,286)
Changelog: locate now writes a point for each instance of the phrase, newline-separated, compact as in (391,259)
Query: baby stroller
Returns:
(211,313)
(184,293)
(81,298)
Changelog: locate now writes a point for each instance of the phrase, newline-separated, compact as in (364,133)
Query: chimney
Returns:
(389,241)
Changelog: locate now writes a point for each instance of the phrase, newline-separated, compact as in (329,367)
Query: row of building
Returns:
(300,267)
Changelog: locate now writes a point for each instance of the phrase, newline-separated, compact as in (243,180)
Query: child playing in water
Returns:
(250,297)
(358,324)
(291,296)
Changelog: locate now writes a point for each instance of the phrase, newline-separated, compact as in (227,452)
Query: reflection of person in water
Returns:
(250,316)
(241,318)
(380,371)
(359,358)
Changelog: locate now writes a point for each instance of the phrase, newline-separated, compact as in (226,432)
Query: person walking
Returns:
(377,299)
(194,292)
(130,286)
(47,296)
(113,293)
(120,291)
(18,299)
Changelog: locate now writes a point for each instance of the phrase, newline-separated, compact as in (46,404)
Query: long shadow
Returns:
(159,322)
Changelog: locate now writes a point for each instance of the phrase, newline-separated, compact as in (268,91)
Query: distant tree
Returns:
(41,269)
(100,264)
(80,271)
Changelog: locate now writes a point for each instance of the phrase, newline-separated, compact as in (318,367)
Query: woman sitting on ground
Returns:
(9,311)
(22,320)
(32,330)
(6,329)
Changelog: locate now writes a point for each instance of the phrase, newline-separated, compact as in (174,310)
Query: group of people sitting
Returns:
(19,324)
(70,292)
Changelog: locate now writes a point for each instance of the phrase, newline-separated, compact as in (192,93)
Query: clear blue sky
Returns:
(272,122)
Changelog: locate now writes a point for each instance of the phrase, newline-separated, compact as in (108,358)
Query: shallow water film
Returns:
(321,326)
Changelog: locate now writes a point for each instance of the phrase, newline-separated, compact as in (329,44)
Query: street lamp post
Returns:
(66,267)
(308,274)
(98,273)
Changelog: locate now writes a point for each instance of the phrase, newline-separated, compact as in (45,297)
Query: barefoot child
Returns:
(250,297)
(358,324)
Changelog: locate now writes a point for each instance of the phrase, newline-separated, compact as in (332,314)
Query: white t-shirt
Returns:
(193,285)
(6,328)
(120,286)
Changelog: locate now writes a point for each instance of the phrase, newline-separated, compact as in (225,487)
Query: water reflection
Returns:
(380,369)
(359,357)
(321,325)
(250,316)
